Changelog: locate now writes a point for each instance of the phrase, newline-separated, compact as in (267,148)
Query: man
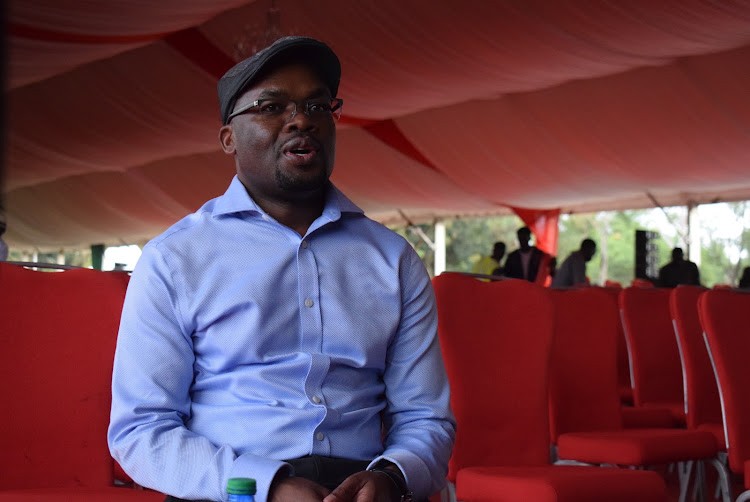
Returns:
(3,245)
(277,333)
(678,271)
(523,263)
(490,265)
(572,272)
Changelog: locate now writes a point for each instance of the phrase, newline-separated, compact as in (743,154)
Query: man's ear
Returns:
(226,137)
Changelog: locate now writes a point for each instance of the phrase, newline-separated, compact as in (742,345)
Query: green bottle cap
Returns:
(241,486)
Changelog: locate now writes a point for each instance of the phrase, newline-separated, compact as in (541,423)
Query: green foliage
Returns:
(466,240)
(74,257)
(723,258)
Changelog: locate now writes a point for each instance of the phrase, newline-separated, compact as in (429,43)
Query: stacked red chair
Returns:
(724,316)
(58,333)
(702,404)
(624,381)
(656,368)
(633,417)
(496,338)
(585,418)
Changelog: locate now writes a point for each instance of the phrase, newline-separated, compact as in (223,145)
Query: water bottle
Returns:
(241,489)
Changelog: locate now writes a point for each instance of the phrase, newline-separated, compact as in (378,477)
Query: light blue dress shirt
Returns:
(242,344)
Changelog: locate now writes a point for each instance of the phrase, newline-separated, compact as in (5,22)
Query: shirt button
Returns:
(316,400)
(308,303)
(304,244)
(319,436)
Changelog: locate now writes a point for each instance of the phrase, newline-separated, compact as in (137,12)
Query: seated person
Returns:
(278,333)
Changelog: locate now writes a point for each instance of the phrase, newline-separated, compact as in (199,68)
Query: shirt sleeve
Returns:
(420,427)
(153,372)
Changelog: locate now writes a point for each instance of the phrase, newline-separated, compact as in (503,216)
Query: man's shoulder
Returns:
(369,229)
(187,227)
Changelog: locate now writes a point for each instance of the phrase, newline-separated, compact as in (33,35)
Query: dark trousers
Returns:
(326,471)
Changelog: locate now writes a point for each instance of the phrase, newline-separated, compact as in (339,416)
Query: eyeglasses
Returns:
(316,109)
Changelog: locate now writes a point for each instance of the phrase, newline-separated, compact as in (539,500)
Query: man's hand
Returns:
(365,486)
(297,490)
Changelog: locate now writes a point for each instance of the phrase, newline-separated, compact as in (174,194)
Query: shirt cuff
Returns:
(418,478)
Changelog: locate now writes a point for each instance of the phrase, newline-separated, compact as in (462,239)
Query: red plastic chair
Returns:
(633,417)
(724,316)
(584,407)
(702,405)
(58,332)
(624,381)
(655,363)
(495,338)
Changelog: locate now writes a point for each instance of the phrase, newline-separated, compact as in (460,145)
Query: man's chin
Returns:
(302,184)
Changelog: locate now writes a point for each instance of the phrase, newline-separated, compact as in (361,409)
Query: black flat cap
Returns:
(239,77)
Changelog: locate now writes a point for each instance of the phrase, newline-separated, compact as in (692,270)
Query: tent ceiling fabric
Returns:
(451,108)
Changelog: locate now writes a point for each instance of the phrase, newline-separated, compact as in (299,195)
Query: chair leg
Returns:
(685,471)
(744,496)
(448,494)
(723,483)
(571,462)
(699,486)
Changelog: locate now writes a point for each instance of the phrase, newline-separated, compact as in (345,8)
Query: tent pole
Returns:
(439,247)
(693,233)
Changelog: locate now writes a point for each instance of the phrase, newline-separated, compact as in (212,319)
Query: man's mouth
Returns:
(301,150)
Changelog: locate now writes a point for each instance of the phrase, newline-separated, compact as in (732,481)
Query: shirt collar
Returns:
(237,200)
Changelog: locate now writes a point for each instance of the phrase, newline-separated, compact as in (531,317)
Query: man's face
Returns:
(282,158)
(523,238)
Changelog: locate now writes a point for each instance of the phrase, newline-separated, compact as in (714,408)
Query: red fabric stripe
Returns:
(388,132)
(197,48)
(25,31)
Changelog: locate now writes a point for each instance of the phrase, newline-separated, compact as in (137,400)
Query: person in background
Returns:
(745,279)
(572,272)
(278,333)
(3,245)
(490,265)
(678,271)
(524,262)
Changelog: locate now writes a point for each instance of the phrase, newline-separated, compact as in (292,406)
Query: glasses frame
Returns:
(337,105)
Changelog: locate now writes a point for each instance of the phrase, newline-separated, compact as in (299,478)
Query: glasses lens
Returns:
(273,107)
(337,105)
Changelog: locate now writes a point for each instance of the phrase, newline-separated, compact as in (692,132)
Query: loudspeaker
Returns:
(646,255)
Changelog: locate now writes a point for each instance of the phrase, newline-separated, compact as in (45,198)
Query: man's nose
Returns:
(299,119)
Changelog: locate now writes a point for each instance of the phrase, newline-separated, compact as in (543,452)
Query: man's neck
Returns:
(296,213)
(297,216)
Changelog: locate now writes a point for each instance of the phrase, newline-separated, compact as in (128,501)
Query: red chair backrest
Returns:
(495,338)
(655,359)
(58,332)
(583,377)
(623,359)
(702,404)
(724,316)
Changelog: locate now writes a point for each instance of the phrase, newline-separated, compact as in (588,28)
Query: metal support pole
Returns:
(439,247)
(693,234)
